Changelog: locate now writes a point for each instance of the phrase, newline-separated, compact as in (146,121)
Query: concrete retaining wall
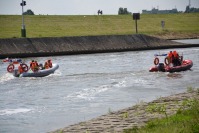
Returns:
(29,47)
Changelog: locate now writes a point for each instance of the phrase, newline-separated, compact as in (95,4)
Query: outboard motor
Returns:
(161,67)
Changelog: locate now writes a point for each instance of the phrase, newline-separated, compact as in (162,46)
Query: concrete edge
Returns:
(40,54)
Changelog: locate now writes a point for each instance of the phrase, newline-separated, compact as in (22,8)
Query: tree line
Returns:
(29,12)
(191,10)
(124,11)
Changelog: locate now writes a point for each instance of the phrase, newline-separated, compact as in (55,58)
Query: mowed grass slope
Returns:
(90,25)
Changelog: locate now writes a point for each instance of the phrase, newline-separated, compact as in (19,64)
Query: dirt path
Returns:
(138,115)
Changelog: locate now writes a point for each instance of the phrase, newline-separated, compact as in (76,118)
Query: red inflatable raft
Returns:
(186,65)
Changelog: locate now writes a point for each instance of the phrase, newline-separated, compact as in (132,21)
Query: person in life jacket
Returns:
(20,69)
(170,56)
(50,63)
(46,66)
(176,60)
(34,66)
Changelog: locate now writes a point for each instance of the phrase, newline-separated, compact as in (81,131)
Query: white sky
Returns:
(90,7)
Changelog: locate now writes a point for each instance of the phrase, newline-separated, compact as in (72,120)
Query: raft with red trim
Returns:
(186,65)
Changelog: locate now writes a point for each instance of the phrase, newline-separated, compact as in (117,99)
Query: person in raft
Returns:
(48,64)
(34,66)
(176,61)
(174,58)
(20,69)
(170,56)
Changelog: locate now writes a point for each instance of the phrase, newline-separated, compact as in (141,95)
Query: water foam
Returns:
(120,84)
(56,73)
(89,93)
(6,77)
(14,111)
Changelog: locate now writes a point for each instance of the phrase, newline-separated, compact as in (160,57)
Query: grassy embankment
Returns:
(186,120)
(176,25)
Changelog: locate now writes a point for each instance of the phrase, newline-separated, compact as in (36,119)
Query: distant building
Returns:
(157,11)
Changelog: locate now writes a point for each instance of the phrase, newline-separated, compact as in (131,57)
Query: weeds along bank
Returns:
(29,47)
(176,25)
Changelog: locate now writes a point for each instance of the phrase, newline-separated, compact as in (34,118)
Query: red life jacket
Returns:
(46,65)
(50,64)
(20,69)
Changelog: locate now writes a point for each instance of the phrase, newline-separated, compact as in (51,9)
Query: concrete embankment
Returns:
(32,47)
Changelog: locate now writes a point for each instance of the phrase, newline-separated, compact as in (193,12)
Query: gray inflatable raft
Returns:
(40,73)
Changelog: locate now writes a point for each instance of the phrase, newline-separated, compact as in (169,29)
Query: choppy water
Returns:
(86,86)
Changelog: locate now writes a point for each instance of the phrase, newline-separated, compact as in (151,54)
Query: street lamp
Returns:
(23,28)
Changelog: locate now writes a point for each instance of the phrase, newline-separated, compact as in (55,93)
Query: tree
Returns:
(29,12)
(187,9)
(125,11)
(191,10)
(122,11)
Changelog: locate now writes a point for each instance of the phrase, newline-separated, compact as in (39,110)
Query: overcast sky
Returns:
(90,7)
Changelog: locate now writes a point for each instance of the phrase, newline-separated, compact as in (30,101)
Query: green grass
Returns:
(79,25)
(184,121)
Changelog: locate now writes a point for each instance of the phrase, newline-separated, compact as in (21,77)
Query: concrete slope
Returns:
(28,47)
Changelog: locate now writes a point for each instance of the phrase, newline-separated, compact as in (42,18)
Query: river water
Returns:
(188,41)
(87,86)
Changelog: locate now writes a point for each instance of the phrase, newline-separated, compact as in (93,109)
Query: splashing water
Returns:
(6,77)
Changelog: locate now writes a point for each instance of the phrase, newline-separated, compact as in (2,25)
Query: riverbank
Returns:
(136,116)
(52,46)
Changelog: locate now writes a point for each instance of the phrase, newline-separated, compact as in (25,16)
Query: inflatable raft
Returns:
(185,65)
(13,61)
(40,73)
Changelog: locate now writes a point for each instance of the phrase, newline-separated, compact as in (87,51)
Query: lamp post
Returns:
(23,28)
